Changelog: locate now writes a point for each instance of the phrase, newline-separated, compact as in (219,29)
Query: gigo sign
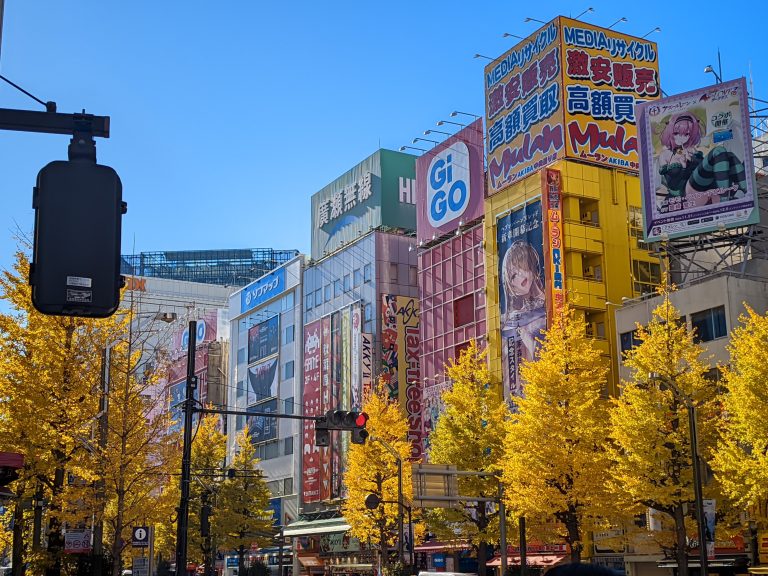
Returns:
(448,186)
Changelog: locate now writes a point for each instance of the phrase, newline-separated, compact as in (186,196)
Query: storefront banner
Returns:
(523,109)
(311,399)
(522,296)
(263,339)
(697,168)
(554,251)
(401,356)
(263,428)
(606,74)
(354,356)
(449,183)
(263,381)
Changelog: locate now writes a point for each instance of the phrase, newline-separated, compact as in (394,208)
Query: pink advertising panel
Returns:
(449,183)
(311,483)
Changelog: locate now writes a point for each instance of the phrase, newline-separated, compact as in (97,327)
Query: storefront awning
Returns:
(314,527)
(538,560)
(311,561)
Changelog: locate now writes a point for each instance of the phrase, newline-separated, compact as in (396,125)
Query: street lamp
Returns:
(442,122)
(397,457)
(456,113)
(428,132)
(482,56)
(709,70)
(372,501)
(622,19)
(666,382)
(529,19)
(415,140)
(404,148)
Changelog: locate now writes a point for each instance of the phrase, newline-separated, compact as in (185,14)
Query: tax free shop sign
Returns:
(449,183)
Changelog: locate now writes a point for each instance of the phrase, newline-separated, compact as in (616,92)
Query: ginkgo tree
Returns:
(372,469)
(651,444)
(741,458)
(555,464)
(470,435)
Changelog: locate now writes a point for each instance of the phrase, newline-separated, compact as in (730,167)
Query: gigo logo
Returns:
(448,190)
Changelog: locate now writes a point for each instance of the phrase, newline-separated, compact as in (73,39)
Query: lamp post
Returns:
(686,399)
(400,506)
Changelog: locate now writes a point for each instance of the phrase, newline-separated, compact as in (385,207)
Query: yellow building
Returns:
(604,256)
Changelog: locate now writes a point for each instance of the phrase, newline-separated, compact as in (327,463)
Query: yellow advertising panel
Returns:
(523,108)
(605,75)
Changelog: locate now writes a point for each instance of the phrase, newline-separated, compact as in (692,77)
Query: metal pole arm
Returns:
(53,122)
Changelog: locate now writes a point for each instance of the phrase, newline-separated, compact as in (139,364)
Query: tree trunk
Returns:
(18,537)
(681,550)
(117,542)
(482,558)
(55,537)
(574,537)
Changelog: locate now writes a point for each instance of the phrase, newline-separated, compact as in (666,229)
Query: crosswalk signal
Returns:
(75,269)
(359,432)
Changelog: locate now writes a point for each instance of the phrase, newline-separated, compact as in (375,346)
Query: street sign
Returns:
(140,566)
(140,537)
(77,542)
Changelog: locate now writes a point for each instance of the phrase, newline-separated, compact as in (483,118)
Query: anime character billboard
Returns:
(522,297)
(697,173)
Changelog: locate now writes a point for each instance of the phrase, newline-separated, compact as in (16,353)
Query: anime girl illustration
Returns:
(524,316)
(694,177)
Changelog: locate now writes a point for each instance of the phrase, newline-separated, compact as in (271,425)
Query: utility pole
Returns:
(98,528)
(182,522)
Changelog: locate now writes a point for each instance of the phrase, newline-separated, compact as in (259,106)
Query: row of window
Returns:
(339,287)
(707,325)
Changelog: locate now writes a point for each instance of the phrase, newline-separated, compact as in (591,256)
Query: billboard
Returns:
(263,289)
(568,90)
(697,168)
(263,428)
(605,75)
(400,362)
(523,111)
(449,183)
(522,295)
(263,381)
(356,357)
(379,191)
(554,252)
(311,464)
(263,339)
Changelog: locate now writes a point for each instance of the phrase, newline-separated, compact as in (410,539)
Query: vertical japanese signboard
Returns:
(327,401)
(355,356)
(553,241)
(311,399)
(366,364)
(522,298)
(400,361)
(605,74)
(523,112)
(697,169)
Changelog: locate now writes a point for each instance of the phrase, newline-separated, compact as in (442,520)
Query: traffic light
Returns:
(75,269)
(341,420)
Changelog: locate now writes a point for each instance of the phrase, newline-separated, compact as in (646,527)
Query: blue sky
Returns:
(227,116)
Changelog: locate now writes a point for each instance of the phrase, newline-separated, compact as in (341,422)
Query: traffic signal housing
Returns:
(75,269)
(355,422)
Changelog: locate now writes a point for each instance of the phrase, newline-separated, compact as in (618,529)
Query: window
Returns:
(463,310)
(318,297)
(267,452)
(240,389)
(368,313)
(288,334)
(308,301)
(286,303)
(288,406)
(328,292)
(413,276)
(709,324)
(457,350)
(241,356)
(337,291)
(288,370)
(393,272)
(628,341)
(357,277)
(367,273)
(347,283)
(646,275)
(288,486)
(239,422)
(288,445)
(274,487)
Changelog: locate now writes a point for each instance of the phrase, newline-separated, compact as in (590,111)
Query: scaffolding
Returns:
(234,267)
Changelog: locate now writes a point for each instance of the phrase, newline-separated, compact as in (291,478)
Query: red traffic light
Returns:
(361,419)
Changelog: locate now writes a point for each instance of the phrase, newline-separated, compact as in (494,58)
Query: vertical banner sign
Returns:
(432,407)
(606,74)
(354,356)
(697,174)
(336,367)
(346,390)
(327,386)
(522,298)
(553,241)
(400,358)
(311,399)
(366,364)
(709,522)
(523,111)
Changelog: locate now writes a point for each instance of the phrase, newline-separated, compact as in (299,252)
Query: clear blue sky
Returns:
(227,116)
